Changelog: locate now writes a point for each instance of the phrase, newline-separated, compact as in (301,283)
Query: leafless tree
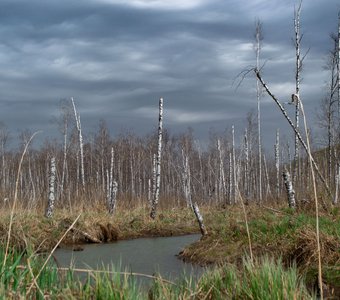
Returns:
(81,145)
(257,46)
(158,161)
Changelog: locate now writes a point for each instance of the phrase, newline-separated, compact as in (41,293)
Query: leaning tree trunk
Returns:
(81,145)
(199,219)
(51,195)
(158,162)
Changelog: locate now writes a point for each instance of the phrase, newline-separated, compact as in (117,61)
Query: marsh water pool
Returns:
(156,255)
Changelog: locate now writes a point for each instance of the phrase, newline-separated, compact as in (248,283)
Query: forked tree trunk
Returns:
(158,162)
(51,195)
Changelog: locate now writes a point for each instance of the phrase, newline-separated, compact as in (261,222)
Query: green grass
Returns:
(280,234)
(265,279)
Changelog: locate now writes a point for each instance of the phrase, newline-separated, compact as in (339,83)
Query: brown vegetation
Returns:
(95,225)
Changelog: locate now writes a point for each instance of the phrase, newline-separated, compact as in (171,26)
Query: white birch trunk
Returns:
(199,219)
(222,187)
(113,196)
(230,190)
(153,177)
(203,184)
(111,170)
(337,177)
(158,162)
(277,163)
(268,189)
(64,159)
(338,64)
(51,195)
(108,185)
(234,165)
(258,38)
(186,179)
(81,146)
(298,65)
(246,167)
(289,189)
(149,192)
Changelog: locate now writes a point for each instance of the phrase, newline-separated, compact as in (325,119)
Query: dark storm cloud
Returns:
(118,57)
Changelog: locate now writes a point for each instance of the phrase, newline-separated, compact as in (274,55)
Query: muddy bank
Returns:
(41,234)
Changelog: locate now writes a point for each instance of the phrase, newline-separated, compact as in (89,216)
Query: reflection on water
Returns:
(144,255)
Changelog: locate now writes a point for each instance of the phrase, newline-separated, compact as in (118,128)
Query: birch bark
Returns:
(51,195)
(258,39)
(298,65)
(277,163)
(289,189)
(158,162)
(81,146)
(199,219)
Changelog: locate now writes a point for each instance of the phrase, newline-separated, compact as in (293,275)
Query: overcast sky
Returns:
(117,57)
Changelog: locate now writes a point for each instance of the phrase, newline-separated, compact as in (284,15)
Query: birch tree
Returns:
(63,122)
(113,196)
(338,64)
(246,165)
(328,108)
(298,67)
(199,219)
(186,179)
(234,165)
(158,161)
(221,179)
(51,194)
(81,145)
(258,45)
(289,189)
(4,136)
(277,163)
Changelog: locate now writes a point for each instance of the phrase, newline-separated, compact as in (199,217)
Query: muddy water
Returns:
(144,255)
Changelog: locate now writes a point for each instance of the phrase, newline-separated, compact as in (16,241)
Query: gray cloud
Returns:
(117,58)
